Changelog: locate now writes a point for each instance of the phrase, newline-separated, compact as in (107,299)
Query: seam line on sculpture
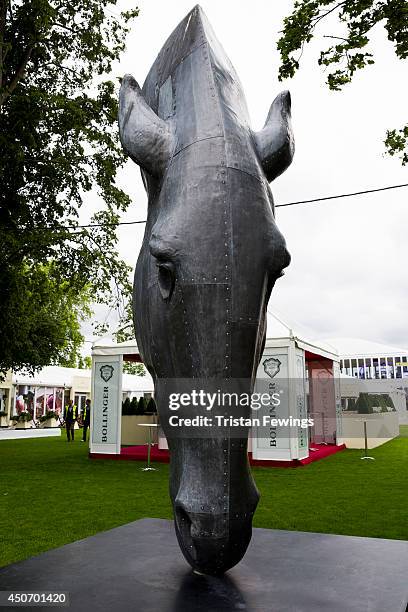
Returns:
(198,282)
(161,82)
(247,173)
(193,143)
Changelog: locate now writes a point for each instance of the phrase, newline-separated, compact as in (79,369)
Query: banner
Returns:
(272,378)
(107,382)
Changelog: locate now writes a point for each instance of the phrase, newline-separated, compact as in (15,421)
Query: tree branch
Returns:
(65,27)
(323,15)
(61,67)
(8,89)
(3,13)
(336,37)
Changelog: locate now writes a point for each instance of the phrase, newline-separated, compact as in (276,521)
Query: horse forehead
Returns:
(213,202)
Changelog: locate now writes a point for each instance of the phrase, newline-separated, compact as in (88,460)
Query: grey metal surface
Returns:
(138,567)
(210,258)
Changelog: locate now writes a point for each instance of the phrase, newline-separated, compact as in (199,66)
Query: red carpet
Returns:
(139,453)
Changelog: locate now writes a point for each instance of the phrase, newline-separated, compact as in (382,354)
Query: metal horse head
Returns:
(210,257)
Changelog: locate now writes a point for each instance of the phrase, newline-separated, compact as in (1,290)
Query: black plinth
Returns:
(139,568)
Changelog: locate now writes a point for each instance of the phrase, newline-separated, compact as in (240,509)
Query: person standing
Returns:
(70,417)
(86,419)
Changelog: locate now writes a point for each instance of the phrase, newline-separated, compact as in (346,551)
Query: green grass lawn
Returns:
(52,494)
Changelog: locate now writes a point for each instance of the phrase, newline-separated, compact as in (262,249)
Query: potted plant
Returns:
(24,420)
(141,406)
(3,418)
(133,415)
(14,419)
(49,419)
(151,407)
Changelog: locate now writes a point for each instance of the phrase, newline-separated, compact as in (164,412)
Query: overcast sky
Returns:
(349,256)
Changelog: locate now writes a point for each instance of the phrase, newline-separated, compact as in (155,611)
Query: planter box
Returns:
(132,434)
(49,423)
(4,421)
(381,428)
(24,425)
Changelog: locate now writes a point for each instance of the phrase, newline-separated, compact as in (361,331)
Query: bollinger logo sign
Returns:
(106,404)
(106,372)
(272,366)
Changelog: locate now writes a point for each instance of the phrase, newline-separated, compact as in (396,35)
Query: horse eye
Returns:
(166,279)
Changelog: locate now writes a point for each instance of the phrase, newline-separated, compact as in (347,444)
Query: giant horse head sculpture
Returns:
(210,257)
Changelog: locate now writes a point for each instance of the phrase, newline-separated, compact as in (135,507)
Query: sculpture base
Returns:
(140,567)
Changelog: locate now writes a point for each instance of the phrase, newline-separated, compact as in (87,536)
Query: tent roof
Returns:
(55,376)
(357,347)
(277,330)
(106,346)
(52,376)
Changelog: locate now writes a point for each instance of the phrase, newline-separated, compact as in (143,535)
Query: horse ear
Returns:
(146,138)
(275,143)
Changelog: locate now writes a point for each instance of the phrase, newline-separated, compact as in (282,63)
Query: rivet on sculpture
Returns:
(210,257)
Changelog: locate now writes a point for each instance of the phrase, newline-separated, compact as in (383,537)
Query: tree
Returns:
(141,407)
(42,319)
(58,142)
(151,406)
(124,333)
(137,369)
(126,407)
(84,363)
(363,404)
(390,403)
(133,405)
(351,403)
(350,50)
(387,404)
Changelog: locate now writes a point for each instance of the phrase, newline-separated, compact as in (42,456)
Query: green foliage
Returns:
(3,413)
(137,369)
(134,405)
(41,316)
(141,406)
(126,409)
(84,363)
(350,50)
(50,414)
(131,407)
(366,402)
(389,402)
(25,417)
(151,406)
(396,143)
(381,400)
(363,404)
(351,404)
(138,406)
(58,142)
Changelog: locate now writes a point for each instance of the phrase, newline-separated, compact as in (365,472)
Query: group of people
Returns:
(71,417)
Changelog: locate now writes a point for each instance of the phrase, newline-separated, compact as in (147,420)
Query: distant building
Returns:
(370,360)
(51,388)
